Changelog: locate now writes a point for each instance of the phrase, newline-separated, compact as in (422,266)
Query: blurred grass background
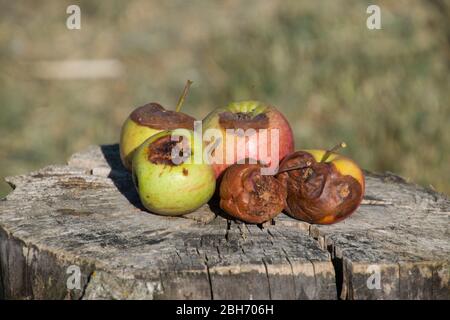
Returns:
(385,92)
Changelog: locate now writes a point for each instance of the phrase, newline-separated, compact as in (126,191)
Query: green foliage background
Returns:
(385,92)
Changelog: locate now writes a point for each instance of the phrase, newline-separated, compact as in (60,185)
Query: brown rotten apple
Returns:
(247,195)
(323,187)
(147,120)
(243,117)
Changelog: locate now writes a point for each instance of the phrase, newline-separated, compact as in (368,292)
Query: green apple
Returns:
(169,186)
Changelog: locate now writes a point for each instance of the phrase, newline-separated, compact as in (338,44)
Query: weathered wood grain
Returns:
(87,214)
(402,230)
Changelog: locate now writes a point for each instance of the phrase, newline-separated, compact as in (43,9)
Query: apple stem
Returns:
(308,164)
(183,95)
(335,148)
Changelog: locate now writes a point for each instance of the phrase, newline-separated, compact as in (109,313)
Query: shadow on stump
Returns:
(120,176)
(123,181)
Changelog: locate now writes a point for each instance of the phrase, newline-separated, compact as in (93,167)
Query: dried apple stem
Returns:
(308,164)
(183,96)
(334,149)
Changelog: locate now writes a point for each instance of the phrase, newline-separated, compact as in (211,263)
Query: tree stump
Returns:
(86,216)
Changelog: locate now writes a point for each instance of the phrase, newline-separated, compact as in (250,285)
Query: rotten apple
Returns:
(250,196)
(247,129)
(147,120)
(323,187)
(167,178)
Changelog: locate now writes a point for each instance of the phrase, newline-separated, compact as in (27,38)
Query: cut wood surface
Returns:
(87,215)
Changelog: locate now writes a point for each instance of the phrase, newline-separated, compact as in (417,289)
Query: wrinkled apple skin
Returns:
(317,199)
(247,195)
(131,137)
(344,165)
(171,190)
(276,120)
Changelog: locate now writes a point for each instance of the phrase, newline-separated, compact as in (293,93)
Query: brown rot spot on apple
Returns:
(160,150)
(185,172)
(243,120)
(316,191)
(155,116)
(343,190)
(247,195)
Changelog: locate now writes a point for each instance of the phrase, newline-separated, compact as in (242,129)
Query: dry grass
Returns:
(386,93)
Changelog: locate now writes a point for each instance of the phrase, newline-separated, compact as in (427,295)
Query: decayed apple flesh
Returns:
(317,192)
(247,195)
(155,116)
(160,151)
(243,120)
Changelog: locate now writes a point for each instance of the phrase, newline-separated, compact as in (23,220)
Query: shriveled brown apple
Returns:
(250,196)
(322,186)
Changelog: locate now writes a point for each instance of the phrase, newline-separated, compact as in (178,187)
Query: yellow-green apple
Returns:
(167,178)
(148,120)
(248,130)
(322,186)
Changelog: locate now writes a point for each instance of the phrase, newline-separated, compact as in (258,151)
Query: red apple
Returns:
(241,126)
